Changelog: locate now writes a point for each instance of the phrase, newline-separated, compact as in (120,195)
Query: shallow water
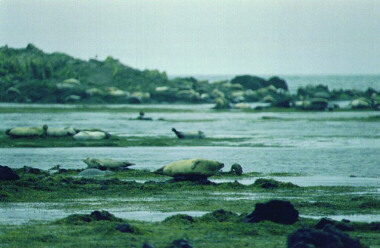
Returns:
(297,129)
(22,213)
(343,162)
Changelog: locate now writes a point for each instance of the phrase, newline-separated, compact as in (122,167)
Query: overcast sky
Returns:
(205,36)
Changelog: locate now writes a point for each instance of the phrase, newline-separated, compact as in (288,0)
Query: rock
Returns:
(329,237)
(106,163)
(282,212)
(242,105)
(72,98)
(13,91)
(189,135)
(189,95)
(250,82)
(217,94)
(7,174)
(181,243)
(89,173)
(220,215)
(91,135)
(147,245)
(25,132)
(222,103)
(269,99)
(236,169)
(86,218)
(32,170)
(361,103)
(338,225)
(72,81)
(318,104)
(278,83)
(198,168)
(102,215)
(94,92)
(180,218)
(125,228)
(272,184)
(116,92)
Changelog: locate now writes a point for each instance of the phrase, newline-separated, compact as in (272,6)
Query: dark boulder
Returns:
(250,82)
(282,212)
(179,218)
(181,243)
(7,174)
(278,83)
(32,170)
(103,215)
(220,215)
(338,225)
(147,245)
(125,228)
(329,237)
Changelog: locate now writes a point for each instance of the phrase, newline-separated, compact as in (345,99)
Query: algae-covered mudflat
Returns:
(324,163)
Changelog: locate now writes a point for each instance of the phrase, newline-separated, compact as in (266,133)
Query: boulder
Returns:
(181,243)
(125,228)
(7,174)
(222,103)
(361,103)
(250,82)
(338,225)
(282,212)
(329,237)
(116,92)
(278,83)
(94,92)
(73,98)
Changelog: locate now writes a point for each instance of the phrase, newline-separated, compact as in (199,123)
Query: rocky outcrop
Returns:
(282,212)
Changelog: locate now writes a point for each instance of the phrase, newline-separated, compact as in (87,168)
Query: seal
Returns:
(189,135)
(106,163)
(191,168)
(91,135)
(61,132)
(23,132)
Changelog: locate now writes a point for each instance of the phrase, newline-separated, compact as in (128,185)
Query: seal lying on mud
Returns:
(95,173)
(21,132)
(61,132)
(189,135)
(106,163)
(191,168)
(91,135)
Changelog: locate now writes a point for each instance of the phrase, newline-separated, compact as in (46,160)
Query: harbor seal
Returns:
(88,173)
(191,168)
(91,135)
(61,132)
(23,132)
(106,163)
(189,135)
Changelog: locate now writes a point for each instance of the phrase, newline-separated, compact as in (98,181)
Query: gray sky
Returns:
(204,36)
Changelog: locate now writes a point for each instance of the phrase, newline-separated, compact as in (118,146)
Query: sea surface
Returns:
(320,144)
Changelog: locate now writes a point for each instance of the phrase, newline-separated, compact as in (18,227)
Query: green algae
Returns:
(226,230)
